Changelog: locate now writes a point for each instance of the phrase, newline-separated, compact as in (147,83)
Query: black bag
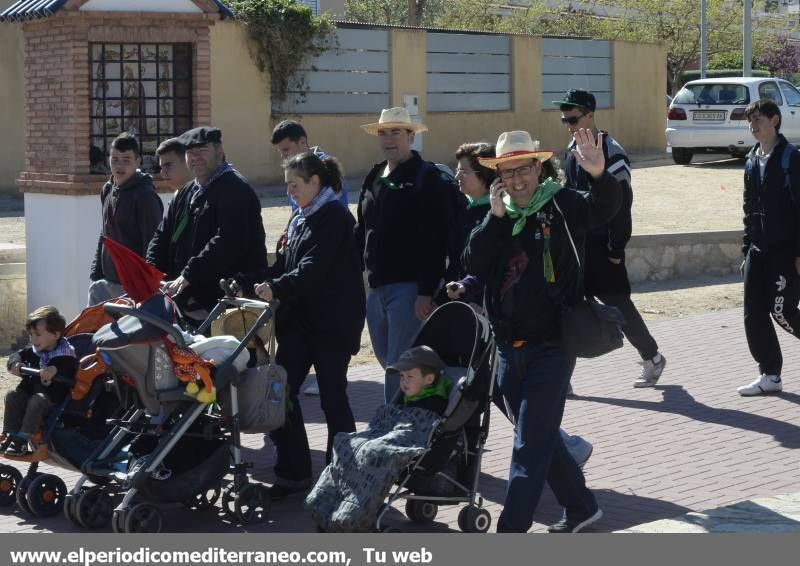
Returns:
(589,329)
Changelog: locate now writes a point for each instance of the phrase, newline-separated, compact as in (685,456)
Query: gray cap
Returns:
(416,357)
(200,136)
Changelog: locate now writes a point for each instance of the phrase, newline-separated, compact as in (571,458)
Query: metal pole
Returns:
(747,40)
(703,39)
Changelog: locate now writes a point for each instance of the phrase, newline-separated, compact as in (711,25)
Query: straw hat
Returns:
(397,117)
(515,145)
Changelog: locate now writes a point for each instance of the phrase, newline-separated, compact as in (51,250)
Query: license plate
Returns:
(712,116)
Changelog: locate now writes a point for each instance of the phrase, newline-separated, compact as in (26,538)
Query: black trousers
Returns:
(25,411)
(297,354)
(609,283)
(771,289)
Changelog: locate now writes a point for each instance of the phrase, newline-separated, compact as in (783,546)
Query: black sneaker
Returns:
(279,491)
(6,443)
(17,447)
(567,525)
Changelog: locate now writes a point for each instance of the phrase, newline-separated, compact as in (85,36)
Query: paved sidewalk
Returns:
(690,444)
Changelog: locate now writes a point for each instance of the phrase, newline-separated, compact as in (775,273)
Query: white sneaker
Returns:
(312,387)
(651,371)
(764,384)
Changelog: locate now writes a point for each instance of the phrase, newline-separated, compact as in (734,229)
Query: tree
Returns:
(783,57)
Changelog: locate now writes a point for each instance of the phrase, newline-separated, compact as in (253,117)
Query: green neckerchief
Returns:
(441,387)
(473,202)
(541,197)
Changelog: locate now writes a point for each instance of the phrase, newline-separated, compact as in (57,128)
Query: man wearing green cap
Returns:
(605,275)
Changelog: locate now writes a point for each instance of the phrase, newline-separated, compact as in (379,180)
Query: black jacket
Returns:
(771,212)
(131,214)
(613,236)
(223,235)
(521,306)
(403,231)
(66,366)
(318,280)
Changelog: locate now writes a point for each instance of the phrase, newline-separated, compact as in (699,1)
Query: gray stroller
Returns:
(167,447)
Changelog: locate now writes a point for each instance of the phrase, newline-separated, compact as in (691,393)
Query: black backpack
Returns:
(456,211)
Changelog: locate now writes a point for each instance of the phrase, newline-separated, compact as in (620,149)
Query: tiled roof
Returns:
(34,9)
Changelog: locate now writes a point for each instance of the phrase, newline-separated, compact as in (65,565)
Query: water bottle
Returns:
(275,397)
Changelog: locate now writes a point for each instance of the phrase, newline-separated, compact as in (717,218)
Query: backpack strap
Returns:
(786,157)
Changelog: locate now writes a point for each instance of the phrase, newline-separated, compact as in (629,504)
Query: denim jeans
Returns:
(392,326)
(533,379)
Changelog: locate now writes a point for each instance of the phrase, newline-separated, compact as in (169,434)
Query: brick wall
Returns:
(57,87)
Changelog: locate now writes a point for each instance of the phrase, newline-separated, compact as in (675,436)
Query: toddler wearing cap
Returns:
(422,382)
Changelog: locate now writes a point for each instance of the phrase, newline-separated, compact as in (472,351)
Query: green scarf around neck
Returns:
(473,202)
(441,388)
(541,197)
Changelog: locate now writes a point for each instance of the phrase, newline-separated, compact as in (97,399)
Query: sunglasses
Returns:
(571,120)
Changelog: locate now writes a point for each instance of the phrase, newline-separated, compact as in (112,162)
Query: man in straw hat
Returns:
(605,274)
(403,224)
(524,252)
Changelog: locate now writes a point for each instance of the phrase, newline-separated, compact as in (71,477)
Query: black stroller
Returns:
(448,472)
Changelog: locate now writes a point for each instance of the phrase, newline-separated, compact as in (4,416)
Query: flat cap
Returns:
(200,136)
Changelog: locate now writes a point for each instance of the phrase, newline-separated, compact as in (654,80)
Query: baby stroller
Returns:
(71,429)
(448,472)
(167,447)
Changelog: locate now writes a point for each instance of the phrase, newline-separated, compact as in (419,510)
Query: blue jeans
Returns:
(392,326)
(533,379)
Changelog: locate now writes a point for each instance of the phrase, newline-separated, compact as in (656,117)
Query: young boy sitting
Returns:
(29,403)
(421,379)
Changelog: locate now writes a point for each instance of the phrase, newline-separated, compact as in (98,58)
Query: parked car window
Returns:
(713,94)
(791,94)
(770,90)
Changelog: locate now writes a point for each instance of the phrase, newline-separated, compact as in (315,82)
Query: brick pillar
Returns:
(62,205)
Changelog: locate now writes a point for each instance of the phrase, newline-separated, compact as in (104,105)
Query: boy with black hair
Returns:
(421,379)
(131,212)
(172,163)
(28,404)
(771,244)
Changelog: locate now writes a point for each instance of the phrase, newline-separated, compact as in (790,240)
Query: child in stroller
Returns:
(37,393)
(432,451)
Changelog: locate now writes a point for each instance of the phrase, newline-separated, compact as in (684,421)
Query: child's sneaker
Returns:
(17,447)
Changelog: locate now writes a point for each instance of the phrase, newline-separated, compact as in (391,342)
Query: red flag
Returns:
(138,278)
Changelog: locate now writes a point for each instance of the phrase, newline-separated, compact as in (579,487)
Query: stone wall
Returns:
(660,257)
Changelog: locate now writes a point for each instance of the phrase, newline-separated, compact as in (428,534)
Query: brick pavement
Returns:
(690,444)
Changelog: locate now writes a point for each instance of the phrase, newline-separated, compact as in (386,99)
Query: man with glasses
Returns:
(605,274)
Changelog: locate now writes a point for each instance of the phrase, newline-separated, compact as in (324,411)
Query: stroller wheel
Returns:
(474,520)
(390,530)
(93,508)
(228,497)
(421,511)
(22,493)
(10,479)
(252,503)
(205,499)
(143,518)
(46,495)
(118,520)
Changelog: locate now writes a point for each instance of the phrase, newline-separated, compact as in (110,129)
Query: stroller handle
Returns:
(121,310)
(33,372)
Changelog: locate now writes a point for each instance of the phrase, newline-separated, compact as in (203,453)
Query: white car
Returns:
(707,115)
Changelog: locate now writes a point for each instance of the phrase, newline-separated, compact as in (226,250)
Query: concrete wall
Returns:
(12,106)
(12,297)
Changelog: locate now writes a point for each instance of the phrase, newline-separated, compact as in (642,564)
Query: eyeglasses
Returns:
(508,174)
(571,120)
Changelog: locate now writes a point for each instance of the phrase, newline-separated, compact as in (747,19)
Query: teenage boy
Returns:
(771,244)
(131,212)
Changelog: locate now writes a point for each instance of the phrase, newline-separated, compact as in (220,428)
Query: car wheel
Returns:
(682,155)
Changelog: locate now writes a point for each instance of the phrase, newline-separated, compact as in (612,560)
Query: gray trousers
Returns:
(25,411)
(103,290)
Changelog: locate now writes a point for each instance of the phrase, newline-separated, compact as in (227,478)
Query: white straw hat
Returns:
(515,145)
(397,117)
